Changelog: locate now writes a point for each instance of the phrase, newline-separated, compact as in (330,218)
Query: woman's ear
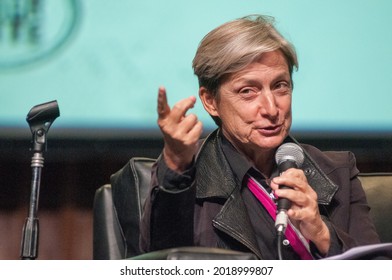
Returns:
(209,101)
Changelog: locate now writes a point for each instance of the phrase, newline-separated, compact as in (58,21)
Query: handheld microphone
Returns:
(288,155)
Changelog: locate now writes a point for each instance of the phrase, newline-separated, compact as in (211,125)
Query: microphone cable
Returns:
(280,243)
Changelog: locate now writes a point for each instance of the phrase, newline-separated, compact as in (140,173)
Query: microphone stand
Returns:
(40,118)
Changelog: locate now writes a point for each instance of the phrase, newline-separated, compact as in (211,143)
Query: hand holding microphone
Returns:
(288,155)
(301,200)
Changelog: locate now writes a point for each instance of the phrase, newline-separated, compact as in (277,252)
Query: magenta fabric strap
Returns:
(295,241)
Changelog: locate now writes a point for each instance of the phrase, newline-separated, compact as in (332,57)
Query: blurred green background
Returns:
(103,61)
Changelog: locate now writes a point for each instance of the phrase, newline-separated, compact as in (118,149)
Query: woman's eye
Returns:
(247,91)
(282,85)
(283,88)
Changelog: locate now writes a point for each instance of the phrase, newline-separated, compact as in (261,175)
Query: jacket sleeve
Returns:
(168,213)
(349,212)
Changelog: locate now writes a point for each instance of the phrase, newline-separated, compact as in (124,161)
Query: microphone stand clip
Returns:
(39,118)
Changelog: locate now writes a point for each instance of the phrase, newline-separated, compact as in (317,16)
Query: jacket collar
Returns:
(220,182)
(214,177)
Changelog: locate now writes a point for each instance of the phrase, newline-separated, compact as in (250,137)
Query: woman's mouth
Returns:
(270,130)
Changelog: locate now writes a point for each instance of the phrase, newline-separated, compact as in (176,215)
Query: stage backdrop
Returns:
(103,61)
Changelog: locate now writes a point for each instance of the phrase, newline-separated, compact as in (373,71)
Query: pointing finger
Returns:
(163,106)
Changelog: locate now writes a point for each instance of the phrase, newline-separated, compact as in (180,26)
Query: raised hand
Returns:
(181,132)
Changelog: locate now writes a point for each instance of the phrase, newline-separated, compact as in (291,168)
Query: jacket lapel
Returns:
(216,180)
(234,221)
(319,181)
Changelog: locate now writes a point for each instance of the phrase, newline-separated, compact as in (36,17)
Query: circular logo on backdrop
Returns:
(31,30)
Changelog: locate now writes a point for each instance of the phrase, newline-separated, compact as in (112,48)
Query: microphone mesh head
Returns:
(290,151)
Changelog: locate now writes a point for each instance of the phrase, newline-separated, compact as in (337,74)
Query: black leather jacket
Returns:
(211,213)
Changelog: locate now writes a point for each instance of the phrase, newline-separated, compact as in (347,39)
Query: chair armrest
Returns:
(378,189)
(108,238)
(195,253)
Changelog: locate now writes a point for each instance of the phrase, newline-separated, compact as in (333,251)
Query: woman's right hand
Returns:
(181,132)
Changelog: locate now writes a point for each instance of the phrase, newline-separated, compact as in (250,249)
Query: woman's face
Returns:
(254,105)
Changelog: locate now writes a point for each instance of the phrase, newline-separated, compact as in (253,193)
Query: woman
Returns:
(201,193)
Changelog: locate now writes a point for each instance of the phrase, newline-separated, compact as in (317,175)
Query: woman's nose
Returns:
(268,105)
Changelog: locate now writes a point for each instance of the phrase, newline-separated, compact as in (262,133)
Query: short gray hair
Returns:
(234,45)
